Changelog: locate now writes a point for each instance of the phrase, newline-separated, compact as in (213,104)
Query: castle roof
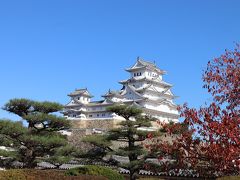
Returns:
(142,78)
(111,93)
(142,64)
(82,92)
(146,63)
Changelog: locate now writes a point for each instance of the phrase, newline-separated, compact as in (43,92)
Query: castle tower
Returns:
(77,107)
(147,88)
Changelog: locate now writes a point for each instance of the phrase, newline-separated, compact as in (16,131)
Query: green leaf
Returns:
(21,107)
(97,140)
(6,153)
(47,122)
(47,107)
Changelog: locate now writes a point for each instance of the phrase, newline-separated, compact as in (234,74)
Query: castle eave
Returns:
(134,69)
(79,94)
(151,111)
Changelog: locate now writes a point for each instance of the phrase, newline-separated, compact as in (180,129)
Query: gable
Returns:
(138,64)
(130,93)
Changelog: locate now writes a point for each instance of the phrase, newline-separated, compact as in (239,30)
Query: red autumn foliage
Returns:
(211,143)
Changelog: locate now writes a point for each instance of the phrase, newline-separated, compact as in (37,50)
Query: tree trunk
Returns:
(30,125)
(132,157)
(132,175)
(29,158)
(30,164)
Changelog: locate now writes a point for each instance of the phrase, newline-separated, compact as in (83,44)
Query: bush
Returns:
(95,170)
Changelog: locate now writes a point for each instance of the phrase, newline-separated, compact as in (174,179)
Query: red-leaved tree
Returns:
(211,143)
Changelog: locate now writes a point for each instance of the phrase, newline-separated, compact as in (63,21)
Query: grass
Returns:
(32,174)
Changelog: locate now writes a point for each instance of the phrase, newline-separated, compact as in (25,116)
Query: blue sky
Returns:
(49,48)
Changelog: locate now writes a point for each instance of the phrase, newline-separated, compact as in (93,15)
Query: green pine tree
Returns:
(41,138)
(129,132)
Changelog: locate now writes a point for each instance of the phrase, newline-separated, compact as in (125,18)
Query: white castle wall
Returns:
(164,112)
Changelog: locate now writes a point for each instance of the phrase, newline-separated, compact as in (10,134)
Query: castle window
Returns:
(90,115)
(140,74)
(97,115)
(78,98)
(103,114)
(134,74)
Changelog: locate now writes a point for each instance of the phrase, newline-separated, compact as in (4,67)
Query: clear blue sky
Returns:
(50,47)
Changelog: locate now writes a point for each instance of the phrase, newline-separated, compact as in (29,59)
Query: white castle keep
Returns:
(145,89)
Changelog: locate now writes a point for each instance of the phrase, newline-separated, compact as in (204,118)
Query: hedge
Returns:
(95,170)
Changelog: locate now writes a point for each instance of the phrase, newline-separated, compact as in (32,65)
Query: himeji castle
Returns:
(144,89)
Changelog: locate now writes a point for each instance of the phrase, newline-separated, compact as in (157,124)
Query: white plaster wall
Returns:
(115,99)
(162,107)
(140,71)
(156,88)
(82,99)
(97,108)
(151,96)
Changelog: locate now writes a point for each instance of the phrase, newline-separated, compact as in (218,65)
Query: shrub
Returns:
(95,170)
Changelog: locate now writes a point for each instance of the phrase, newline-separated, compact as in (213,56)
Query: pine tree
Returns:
(41,138)
(129,132)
